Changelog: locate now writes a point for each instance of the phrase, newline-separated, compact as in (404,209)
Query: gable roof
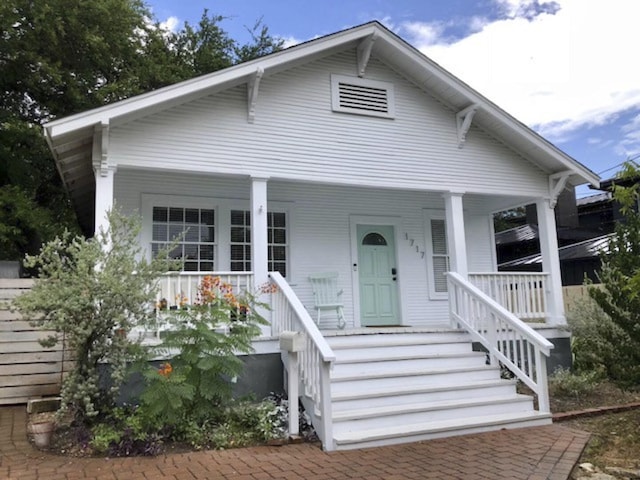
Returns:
(71,139)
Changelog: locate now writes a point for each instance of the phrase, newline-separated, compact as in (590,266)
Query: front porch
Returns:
(404,259)
(368,386)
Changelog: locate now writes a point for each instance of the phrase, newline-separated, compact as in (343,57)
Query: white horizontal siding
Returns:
(480,245)
(296,135)
(319,230)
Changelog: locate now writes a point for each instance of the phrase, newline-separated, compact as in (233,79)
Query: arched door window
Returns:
(374,239)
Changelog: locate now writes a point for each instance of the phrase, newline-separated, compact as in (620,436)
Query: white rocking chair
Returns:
(327,296)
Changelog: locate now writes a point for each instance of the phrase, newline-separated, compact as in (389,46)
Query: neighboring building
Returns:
(598,212)
(578,261)
(583,233)
(356,154)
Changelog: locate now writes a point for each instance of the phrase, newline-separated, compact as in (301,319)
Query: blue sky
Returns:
(566,68)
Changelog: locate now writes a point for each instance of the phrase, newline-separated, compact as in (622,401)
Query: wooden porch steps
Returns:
(390,387)
(437,429)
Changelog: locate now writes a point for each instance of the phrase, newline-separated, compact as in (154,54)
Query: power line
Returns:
(630,158)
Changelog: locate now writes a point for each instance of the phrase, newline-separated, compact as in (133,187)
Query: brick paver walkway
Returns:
(530,453)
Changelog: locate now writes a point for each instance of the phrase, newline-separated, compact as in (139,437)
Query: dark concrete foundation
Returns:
(262,375)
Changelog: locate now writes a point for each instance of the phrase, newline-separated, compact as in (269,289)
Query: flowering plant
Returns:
(205,341)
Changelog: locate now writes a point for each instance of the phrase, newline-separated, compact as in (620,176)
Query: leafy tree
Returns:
(619,299)
(262,43)
(57,58)
(509,218)
(23,223)
(60,57)
(93,292)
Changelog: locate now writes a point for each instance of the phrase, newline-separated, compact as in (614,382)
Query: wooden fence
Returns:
(27,369)
(573,294)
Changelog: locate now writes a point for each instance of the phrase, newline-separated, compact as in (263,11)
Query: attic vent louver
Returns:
(364,97)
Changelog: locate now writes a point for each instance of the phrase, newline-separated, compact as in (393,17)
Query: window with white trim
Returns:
(196,248)
(277,235)
(438,254)
(240,240)
(362,96)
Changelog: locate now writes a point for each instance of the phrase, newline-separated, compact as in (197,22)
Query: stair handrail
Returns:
(507,338)
(315,361)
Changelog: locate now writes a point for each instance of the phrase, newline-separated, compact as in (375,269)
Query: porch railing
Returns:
(288,314)
(507,338)
(523,294)
(180,289)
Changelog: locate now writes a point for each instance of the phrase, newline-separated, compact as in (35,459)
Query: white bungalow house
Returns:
(356,154)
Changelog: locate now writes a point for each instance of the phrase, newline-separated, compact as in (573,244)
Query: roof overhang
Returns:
(71,138)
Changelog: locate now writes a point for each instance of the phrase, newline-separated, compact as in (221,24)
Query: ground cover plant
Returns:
(615,439)
(615,436)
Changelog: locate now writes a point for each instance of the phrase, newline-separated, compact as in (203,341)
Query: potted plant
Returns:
(42,429)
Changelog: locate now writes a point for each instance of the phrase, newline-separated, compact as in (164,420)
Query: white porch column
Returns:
(456,241)
(104,197)
(259,239)
(550,261)
(103,172)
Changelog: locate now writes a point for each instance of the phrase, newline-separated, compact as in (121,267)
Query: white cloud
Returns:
(290,41)
(428,33)
(557,67)
(170,24)
(629,146)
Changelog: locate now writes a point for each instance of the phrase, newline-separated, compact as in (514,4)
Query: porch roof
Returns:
(77,140)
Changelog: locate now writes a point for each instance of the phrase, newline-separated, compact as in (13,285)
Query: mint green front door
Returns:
(377,275)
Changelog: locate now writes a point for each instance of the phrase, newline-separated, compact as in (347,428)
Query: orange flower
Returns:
(181,300)
(165,369)
(268,288)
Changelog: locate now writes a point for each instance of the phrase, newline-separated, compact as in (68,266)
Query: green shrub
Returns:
(125,432)
(595,340)
(167,396)
(619,298)
(564,383)
(205,342)
(92,293)
(103,436)
(240,424)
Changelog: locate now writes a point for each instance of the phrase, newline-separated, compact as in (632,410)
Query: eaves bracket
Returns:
(101,149)
(557,182)
(253,86)
(463,122)
(364,53)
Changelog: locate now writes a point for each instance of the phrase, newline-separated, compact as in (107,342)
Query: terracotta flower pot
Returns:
(42,433)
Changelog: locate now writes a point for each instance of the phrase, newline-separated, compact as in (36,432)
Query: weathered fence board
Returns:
(573,294)
(27,369)
(30,368)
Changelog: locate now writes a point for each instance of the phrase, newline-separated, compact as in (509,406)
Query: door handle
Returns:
(393,271)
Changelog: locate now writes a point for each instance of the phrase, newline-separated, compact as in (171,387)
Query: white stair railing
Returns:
(507,338)
(523,294)
(288,314)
